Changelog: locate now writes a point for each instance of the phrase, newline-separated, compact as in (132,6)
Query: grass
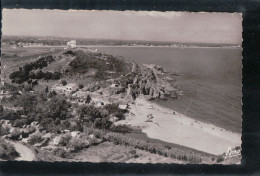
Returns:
(109,152)
(156,148)
(24,56)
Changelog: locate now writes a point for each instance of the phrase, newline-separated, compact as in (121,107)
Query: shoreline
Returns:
(199,121)
(179,129)
(98,46)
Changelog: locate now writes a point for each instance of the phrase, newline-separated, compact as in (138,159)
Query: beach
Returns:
(173,127)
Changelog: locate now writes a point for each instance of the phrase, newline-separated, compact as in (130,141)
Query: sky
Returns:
(185,27)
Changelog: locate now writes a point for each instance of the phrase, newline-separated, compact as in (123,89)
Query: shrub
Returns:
(65,139)
(46,121)
(122,129)
(63,82)
(65,125)
(7,151)
(52,94)
(115,110)
(88,99)
(77,127)
(9,115)
(52,127)
(78,143)
(4,130)
(98,133)
(120,115)
(220,159)
(20,122)
(102,123)
(81,86)
(112,108)
(70,52)
(15,134)
(61,153)
(35,139)
(31,130)
(179,154)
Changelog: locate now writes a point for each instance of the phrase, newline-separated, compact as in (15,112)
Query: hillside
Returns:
(98,70)
(70,102)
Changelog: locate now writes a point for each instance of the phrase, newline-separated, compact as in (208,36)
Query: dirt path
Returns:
(26,154)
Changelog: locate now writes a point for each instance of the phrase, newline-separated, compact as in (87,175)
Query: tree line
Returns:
(25,73)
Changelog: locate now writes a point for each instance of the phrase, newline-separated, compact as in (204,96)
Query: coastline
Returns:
(179,129)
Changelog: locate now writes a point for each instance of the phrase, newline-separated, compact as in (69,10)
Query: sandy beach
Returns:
(170,126)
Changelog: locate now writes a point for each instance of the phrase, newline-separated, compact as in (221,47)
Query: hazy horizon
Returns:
(74,38)
(175,27)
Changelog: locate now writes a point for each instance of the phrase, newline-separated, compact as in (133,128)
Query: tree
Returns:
(52,94)
(63,82)
(4,130)
(81,86)
(56,75)
(35,139)
(65,139)
(65,125)
(88,99)
(1,108)
(39,75)
(47,89)
(15,134)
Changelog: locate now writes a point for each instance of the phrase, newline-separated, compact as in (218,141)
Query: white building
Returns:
(71,44)
(67,89)
(71,86)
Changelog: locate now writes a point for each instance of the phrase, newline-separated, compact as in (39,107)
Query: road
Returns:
(26,154)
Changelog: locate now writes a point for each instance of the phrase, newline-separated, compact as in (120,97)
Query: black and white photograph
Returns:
(121,86)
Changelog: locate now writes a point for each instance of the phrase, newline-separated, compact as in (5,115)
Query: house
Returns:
(100,103)
(75,134)
(71,44)
(67,89)
(71,87)
(114,85)
(123,106)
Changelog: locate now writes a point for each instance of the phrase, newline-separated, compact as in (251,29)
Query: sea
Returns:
(210,78)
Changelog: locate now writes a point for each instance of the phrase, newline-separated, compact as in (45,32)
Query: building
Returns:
(114,85)
(67,89)
(71,87)
(123,106)
(71,44)
(100,103)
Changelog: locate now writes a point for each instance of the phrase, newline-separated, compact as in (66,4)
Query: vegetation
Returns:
(15,134)
(220,159)
(81,86)
(84,62)
(88,99)
(37,138)
(54,112)
(122,129)
(114,110)
(25,73)
(4,130)
(64,82)
(7,151)
(65,139)
(156,148)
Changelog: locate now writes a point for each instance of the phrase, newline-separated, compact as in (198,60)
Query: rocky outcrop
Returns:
(149,84)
